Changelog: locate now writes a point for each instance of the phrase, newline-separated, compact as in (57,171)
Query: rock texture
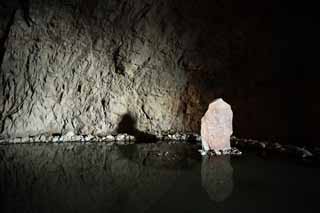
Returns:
(83,65)
(216,126)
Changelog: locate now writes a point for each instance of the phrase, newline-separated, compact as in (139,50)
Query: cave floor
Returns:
(158,177)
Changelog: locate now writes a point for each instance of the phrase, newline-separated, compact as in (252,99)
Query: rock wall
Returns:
(83,65)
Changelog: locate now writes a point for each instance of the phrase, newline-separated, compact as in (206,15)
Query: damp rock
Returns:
(42,138)
(32,139)
(262,145)
(123,137)
(216,126)
(88,138)
(12,140)
(120,137)
(36,139)
(304,152)
(198,137)
(102,139)
(24,139)
(68,136)
(98,138)
(49,138)
(175,136)
(76,138)
(165,137)
(110,138)
(231,151)
(131,138)
(277,146)
(55,139)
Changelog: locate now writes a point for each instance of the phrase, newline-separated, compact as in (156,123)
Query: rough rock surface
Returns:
(216,126)
(83,65)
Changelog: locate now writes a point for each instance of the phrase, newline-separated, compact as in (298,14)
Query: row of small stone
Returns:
(231,151)
(119,138)
(171,138)
(70,137)
(180,137)
(302,152)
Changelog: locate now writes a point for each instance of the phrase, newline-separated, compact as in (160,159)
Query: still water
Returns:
(150,178)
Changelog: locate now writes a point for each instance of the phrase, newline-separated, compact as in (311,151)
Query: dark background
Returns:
(295,68)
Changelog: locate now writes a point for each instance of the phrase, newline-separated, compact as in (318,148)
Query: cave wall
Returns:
(81,65)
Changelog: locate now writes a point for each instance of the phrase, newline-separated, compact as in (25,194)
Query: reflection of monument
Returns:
(216,176)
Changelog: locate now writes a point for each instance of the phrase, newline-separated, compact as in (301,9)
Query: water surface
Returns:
(150,178)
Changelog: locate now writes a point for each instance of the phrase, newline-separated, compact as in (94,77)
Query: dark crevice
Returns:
(117,60)
(79,88)
(3,40)
(103,103)
(140,16)
(88,108)
(145,113)
(60,97)
(5,37)
(25,6)
(28,76)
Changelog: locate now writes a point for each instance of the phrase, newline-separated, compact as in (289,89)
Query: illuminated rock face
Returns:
(83,66)
(79,68)
(216,126)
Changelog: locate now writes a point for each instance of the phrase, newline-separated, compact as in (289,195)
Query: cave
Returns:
(101,104)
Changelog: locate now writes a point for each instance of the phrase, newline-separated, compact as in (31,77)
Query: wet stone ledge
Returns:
(125,138)
(308,154)
(239,145)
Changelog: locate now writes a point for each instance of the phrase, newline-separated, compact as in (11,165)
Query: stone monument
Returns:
(216,127)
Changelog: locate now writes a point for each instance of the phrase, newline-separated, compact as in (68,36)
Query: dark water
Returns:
(150,178)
